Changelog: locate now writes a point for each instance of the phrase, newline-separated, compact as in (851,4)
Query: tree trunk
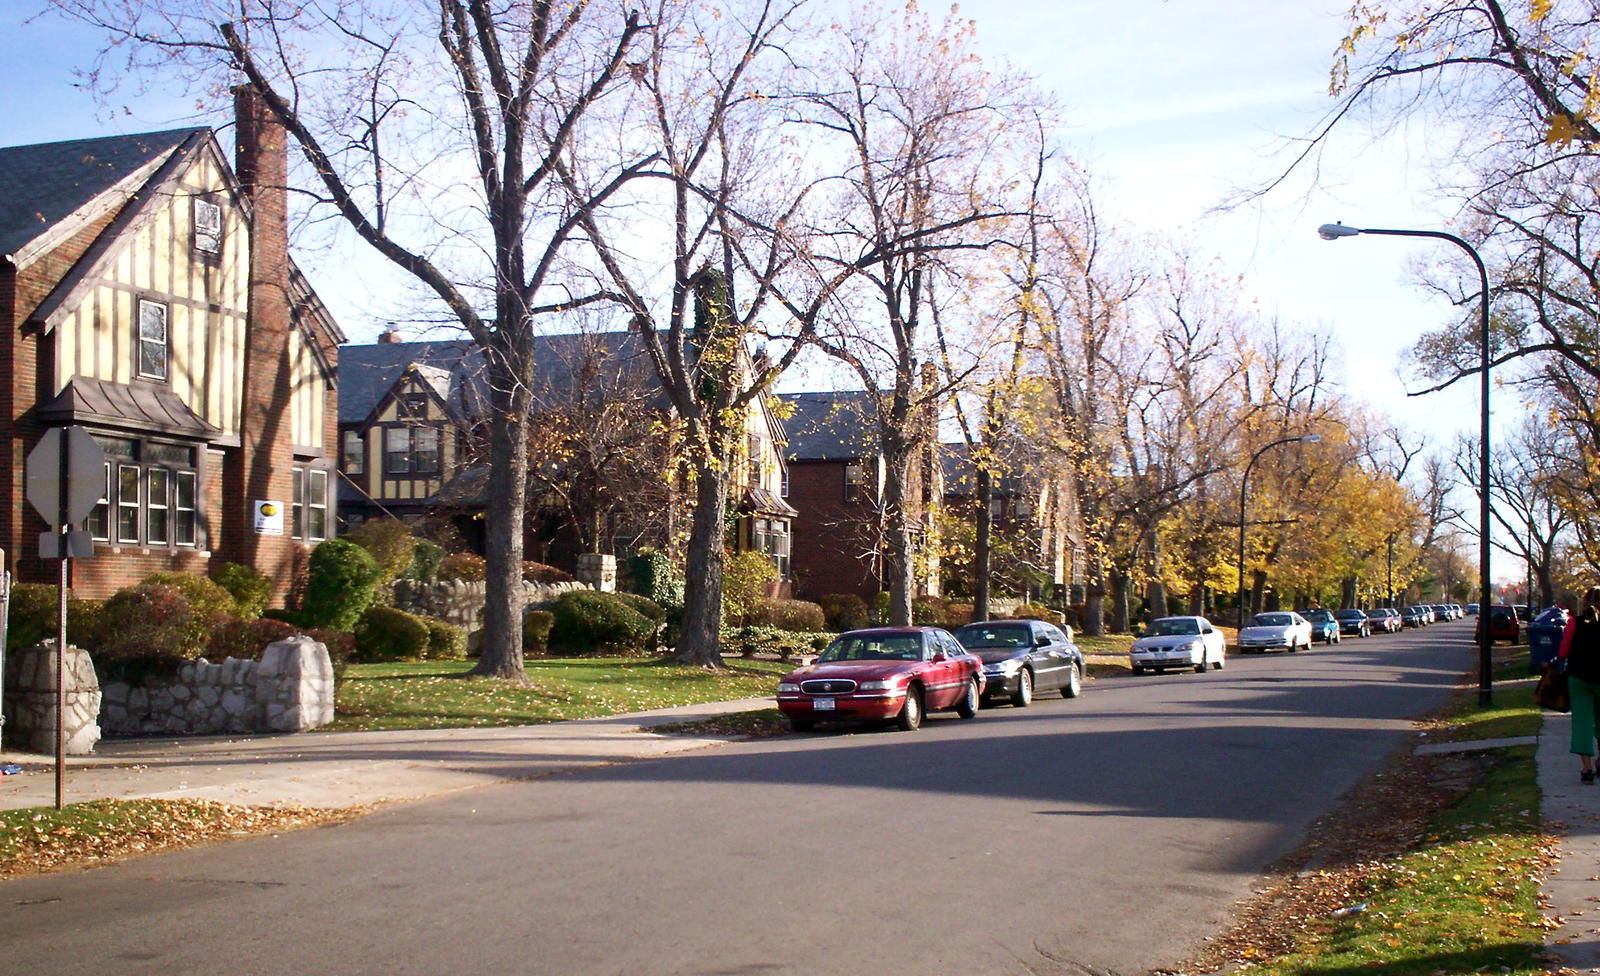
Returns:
(899,562)
(501,655)
(1156,602)
(700,639)
(1121,585)
(1094,601)
(1197,600)
(980,549)
(1258,588)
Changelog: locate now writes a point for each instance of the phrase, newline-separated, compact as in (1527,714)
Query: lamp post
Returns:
(1244,483)
(1332,232)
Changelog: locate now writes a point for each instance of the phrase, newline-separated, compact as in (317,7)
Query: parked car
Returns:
(1385,619)
(1444,611)
(1413,617)
(1352,621)
(1544,637)
(1324,625)
(1424,616)
(1023,656)
(1472,608)
(1503,624)
(1179,642)
(1275,631)
(898,673)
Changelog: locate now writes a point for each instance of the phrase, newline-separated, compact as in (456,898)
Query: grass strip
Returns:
(37,839)
(441,694)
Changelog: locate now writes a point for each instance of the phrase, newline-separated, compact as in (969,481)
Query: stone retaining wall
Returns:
(461,603)
(30,700)
(289,690)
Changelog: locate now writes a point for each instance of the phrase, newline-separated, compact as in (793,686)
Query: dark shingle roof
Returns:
(831,426)
(960,474)
(600,362)
(42,184)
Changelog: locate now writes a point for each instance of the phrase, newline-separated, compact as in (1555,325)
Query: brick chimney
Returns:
(262,468)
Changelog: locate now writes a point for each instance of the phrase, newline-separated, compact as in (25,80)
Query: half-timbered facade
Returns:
(148,297)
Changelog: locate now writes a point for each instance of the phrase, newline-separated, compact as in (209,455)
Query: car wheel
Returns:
(1138,669)
(1218,664)
(1074,686)
(1205,663)
(1293,647)
(802,724)
(968,707)
(1023,696)
(910,717)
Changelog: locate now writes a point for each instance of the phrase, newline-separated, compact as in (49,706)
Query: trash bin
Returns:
(1544,638)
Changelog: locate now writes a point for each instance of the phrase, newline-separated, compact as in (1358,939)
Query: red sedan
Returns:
(886,672)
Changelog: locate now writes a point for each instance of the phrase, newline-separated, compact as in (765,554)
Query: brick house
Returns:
(149,297)
(835,479)
(410,415)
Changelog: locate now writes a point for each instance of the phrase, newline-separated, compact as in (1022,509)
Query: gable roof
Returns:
(831,426)
(44,184)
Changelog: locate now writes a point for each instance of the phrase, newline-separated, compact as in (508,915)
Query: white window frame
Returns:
(316,504)
(435,462)
(157,505)
(355,461)
(149,314)
(136,504)
(207,226)
(185,518)
(390,434)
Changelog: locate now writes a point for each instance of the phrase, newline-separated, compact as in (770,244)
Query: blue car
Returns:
(1324,625)
(1544,637)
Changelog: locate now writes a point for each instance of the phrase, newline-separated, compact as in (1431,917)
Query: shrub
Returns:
(788,615)
(880,607)
(148,622)
(251,590)
(650,608)
(85,623)
(587,621)
(340,578)
(655,578)
(536,626)
(291,617)
(341,645)
(463,567)
(246,639)
(1037,611)
(845,611)
(33,615)
(745,578)
(957,615)
(927,611)
(446,641)
(541,573)
(209,603)
(786,644)
(390,544)
(387,634)
(425,559)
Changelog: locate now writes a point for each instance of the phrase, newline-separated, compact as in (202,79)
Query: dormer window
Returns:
(207,227)
(152,340)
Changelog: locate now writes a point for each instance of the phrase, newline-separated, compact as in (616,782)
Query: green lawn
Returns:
(440,694)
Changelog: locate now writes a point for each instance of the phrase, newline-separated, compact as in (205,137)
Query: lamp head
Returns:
(1332,232)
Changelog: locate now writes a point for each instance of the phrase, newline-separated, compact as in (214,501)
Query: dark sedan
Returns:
(1023,656)
(1353,621)
(1324,625)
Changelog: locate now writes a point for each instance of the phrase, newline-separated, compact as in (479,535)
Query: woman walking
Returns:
(1580,648)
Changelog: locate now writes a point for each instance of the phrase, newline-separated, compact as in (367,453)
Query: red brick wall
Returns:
(831,537)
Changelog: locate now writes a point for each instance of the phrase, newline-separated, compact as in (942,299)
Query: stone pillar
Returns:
(598,571)
(294,685)
(30,702)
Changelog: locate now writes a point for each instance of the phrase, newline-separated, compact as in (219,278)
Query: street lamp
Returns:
(1332,232)
(1244,482)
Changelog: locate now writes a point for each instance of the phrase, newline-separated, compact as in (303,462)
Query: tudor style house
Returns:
(604,477)
(148,296)
(1036,545)
(835,481)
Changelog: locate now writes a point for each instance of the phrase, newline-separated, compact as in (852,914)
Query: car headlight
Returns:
(1194,645)
(886,684)
(788,686)
(1008,667)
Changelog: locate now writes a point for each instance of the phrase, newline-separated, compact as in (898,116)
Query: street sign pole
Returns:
(61,633)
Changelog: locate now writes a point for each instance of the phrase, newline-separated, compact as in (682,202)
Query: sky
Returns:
(1171,104)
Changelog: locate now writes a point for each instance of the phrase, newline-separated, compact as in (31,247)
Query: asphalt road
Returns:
(1109,834)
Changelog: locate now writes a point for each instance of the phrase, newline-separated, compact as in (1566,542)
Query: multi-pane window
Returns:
(411,450)
(783,482)
(152,340)
(397,450)
(753,449)
(310,505)
(771,536)
(855,480)
(207,227)
(151,495)
(355,452)
(425,450)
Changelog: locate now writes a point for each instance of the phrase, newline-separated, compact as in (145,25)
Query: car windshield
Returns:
(1554,615)
(1174,627)
(1271,620)
(1317,616)
(999,636)
(874,647)
(1350,614)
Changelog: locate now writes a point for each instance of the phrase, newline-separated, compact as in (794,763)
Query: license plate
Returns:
(822,704)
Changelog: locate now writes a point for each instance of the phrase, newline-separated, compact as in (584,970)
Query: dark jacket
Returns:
(1580,646)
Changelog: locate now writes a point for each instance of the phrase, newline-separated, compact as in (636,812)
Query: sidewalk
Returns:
(1572,812)
(343,769)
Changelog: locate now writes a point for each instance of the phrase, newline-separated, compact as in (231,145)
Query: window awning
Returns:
(759,501)
(140,408)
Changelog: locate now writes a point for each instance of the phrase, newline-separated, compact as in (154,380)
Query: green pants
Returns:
(1585,703)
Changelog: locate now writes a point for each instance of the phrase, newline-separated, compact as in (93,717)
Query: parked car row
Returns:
(903,673)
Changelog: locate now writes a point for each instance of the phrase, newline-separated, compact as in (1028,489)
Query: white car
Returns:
(1275,631)
(1179,642)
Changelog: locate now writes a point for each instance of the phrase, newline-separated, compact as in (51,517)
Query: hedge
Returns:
(590,622)
(845,611)
(147,622)
(463,567)
(246,639)
(387,634)
(210,604)
(446,641)
(340,582)
(788,615)
(536,626)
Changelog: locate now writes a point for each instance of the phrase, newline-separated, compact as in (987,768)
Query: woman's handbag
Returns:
(1551,691)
